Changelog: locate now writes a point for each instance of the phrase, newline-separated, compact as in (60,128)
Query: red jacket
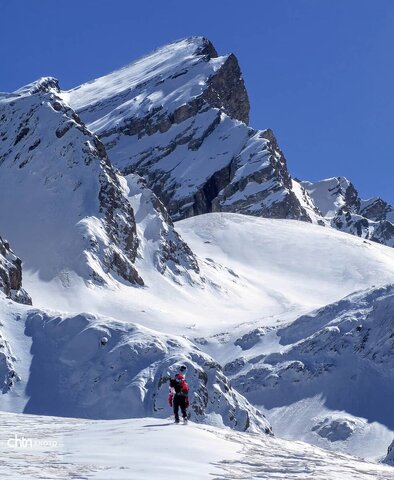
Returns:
(178,386)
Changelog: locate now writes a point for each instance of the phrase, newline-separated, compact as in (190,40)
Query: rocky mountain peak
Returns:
(205,47)
(79,215)
(340,203)
(178,118)
(43,85)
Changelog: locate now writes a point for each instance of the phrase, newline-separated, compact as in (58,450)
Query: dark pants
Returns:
(179,401)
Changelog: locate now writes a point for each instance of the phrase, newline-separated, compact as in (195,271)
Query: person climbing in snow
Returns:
(179,394)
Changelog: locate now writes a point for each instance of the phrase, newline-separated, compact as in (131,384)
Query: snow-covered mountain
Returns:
(178,117)
(11,274)
(63,206)
(339,202)
(90,182)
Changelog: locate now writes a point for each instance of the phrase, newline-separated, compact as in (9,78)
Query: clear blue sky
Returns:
(320,73)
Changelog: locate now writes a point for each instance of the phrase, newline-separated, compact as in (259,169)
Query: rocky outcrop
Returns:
(95,367)
(157,234)
(11,275)
(226,91)
(337,352)
(178,118)
(260,184)
(339,202)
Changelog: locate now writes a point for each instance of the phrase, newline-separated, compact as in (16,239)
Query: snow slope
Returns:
(148,448)
(260,274)
(256,271)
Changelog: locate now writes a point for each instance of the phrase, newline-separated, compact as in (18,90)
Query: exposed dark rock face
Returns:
(192,144)
(376,209)
(390,454)
(339,201)
(11,275)
(226,91)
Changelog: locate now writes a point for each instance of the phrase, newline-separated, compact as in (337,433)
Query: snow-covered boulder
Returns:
(178,117)
(75,373)
(335,430)
(11,275)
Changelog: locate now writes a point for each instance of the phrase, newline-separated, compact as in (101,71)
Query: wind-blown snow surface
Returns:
(146,448)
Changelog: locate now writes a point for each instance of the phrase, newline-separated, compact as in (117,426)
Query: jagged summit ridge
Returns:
(158,85)
(178,117)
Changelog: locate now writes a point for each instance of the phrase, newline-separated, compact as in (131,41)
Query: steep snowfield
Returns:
(146,448)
